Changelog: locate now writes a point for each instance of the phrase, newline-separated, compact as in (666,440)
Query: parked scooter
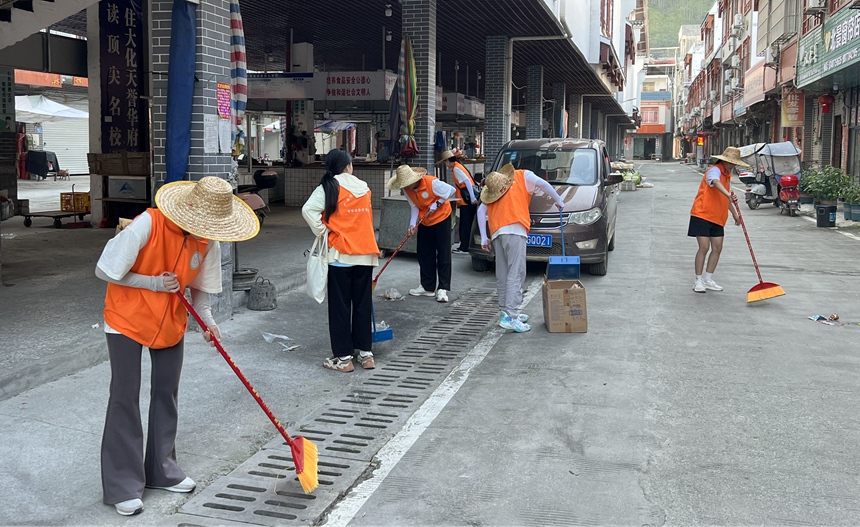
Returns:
(250,194)
(775,176)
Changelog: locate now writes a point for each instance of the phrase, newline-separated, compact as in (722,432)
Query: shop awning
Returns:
(331,126)
(40,109)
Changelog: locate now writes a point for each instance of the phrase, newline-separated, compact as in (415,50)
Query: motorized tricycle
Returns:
(774,177)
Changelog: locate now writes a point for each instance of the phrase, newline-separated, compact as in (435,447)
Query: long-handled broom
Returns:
(762,290)
(375,278)
(304,452)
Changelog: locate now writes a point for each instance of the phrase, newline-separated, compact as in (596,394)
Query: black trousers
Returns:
(349,309)
(434,255)
(467,218)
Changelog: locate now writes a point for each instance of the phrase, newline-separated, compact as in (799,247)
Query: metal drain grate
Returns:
(349,431)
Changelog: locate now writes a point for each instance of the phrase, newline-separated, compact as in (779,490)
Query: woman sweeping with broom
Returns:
(161,252)
(709,215)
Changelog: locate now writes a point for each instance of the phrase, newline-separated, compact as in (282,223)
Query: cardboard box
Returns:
(564,308)
(74,201)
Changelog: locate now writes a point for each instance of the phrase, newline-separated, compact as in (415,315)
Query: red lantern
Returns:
(825,101)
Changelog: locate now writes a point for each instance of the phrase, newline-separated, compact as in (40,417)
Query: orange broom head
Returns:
(305,458)
(763,291)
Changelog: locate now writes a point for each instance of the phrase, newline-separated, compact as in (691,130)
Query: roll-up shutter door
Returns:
(69,139)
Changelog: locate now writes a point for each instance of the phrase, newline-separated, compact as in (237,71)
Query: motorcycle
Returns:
(250,194)
(775,176)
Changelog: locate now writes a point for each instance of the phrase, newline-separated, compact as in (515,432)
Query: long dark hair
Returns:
(335,163)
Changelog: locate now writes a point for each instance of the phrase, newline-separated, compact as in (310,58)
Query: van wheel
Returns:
(599,269)
(481,265)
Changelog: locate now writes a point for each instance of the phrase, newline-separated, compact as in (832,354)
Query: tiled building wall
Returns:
(419,22)
(497,109)
(534,102)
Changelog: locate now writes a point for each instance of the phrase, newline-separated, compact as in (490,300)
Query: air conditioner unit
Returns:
(728,74)
(714,95)
(815,7)
(771,54)
(704,105)
(705,62)
(737,32)
(727,87)
(739,21)
(855,4)
(736,83)
(736,62)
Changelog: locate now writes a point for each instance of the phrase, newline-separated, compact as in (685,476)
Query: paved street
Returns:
(675,408)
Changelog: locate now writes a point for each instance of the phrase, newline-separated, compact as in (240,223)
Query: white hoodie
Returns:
(314,207)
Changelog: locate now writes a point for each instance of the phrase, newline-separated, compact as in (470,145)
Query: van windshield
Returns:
(559,167)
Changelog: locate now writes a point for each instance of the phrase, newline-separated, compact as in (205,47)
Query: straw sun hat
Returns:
(497,183)
(405,176)
(732,155)
(208,209)
(446,155)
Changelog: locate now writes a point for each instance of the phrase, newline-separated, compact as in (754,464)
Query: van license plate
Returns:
(539,240)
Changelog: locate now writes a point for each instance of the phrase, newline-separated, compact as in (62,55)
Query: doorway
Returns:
(837,142)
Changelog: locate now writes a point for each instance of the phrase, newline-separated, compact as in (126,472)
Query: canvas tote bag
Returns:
(318,268)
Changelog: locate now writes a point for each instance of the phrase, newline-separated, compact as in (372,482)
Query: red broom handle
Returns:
(236,369)
(741,218)
(375,278)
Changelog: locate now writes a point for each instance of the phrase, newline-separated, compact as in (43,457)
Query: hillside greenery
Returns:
(665,17)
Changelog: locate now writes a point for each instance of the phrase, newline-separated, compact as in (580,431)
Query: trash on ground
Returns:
(289,348)
(95,326)
(829,321)
(271,337)
(834,317)
(393,294)
(646,185)
(381,326)
(7,236)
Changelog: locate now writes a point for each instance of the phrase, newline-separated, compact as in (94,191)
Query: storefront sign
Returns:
(353,85)
(121,52)
(792,107)
(36,78)
(438,98)
(758,80)
(80,81)
(833,46)
(223,98)
(726,112)
(7,99)
(453,103)
(295,86)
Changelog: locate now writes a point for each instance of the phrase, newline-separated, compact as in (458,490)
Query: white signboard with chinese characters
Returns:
(7,99)
(287,86)
(353,85)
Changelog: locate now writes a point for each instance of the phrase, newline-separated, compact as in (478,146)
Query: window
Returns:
(606,18)
(836,5)
(650,115)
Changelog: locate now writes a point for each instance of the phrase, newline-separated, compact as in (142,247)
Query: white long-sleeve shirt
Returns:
(533,182)
(462,178)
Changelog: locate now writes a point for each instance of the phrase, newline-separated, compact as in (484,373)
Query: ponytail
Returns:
(335,162)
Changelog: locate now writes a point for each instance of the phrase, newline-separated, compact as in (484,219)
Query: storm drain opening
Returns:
(351,429)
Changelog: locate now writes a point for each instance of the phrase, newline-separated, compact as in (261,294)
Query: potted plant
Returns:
(852,201)
(807,180)
(831,185)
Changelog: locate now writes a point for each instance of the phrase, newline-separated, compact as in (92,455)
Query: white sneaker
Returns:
(129,507)
(700,286)
(522,317)
(442,296)
(186,485)
(420,291)
(520,326)
(710,285)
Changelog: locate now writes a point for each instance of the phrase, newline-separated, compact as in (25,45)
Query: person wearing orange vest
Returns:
(340,205)
(504,205)
(161,252)
(709,215)
(428,197)
(467,203)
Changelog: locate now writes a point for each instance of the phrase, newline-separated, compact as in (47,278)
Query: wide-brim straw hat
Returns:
(446,155)
(732,155)
(405,176)
(208,209)
(497,183)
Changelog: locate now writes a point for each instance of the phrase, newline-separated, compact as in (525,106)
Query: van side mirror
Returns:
(614,178)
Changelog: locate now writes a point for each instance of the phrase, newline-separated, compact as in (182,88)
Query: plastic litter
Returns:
(647,185)
(288,347)
(95,326)
(7,236)
(393,294)
(271,337)
(381,325)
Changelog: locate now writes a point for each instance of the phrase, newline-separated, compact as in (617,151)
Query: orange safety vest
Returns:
(710,204)
(512,207)
(423,197)
(156,320)
(351,225)
(461,187)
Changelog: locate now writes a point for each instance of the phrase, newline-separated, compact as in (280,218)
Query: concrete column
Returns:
(94,94)
(419,22)
(213,66)
(574,115)
(534,102)
(559,96)
(497,98)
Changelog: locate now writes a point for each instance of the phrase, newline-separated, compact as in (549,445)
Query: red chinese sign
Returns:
(223,96)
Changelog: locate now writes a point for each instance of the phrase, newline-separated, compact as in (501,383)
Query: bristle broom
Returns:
(764,291)
(305,457)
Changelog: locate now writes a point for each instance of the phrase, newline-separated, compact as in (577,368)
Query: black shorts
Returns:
(700,227)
